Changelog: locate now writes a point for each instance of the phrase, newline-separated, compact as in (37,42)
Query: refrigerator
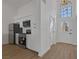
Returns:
(13,29)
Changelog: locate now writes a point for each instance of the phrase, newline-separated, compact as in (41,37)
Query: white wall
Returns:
(52,11)
(7,16)
(44,29)
(39,14)
(48,8)
(32,12)
(65,37)
(74,17)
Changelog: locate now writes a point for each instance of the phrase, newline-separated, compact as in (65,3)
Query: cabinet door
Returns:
(33,39)
(29,41)
(17,38)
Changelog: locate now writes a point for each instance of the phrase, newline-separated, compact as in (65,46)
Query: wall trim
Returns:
(43,53)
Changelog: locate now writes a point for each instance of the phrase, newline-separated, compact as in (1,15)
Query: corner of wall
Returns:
(41,53)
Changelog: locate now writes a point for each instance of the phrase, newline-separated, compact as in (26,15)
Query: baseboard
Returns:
(66,43)
(53,43)
(4,44)
(41,54)
(7,44)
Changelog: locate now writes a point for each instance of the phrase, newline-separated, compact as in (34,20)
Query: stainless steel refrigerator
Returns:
(13,28)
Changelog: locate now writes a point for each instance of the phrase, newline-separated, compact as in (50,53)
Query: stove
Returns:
(22,40)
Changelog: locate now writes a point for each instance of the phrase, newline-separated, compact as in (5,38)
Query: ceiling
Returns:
(44,1)
(17,3)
